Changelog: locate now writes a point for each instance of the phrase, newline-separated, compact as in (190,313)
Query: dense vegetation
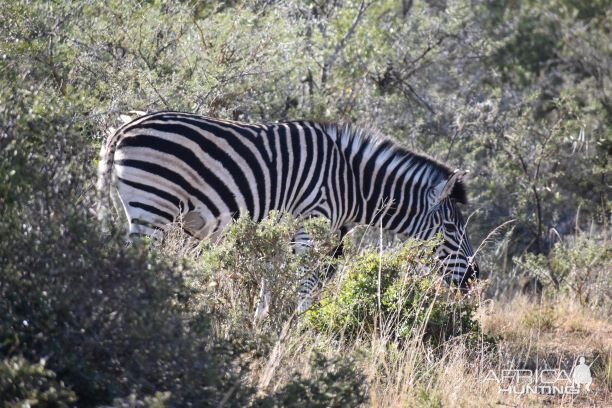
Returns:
(518,93)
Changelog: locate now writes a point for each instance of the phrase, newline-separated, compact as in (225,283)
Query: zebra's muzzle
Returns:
(472,274)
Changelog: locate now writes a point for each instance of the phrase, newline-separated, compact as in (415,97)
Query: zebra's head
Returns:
(455,252)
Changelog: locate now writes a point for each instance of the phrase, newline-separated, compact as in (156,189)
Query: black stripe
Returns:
(152,210)
(347,167)
(450,246)
(394,180)
(155,191)
(272,170)
(455,264)
(284,158)
(404,212)
(173,177)
(333,165)
(422,199)
(317,161)
(214,151)
(294,139)
(373,188)
(146,224)
(307,161)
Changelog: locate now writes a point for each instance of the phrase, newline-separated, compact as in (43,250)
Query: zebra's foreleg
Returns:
(300,243)
(317,278)
(263,302)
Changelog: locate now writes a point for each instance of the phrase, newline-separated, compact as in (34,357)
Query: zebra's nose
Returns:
(473,272)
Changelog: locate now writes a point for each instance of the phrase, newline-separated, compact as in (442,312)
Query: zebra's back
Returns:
(170,165)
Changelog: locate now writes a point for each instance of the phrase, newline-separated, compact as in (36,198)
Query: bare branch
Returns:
(331,59)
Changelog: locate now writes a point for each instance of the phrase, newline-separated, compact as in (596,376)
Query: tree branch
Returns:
(331,59)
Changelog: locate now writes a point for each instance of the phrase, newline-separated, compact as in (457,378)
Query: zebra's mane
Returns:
(350,135)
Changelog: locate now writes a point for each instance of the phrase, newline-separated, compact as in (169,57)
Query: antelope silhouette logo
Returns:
(581,374)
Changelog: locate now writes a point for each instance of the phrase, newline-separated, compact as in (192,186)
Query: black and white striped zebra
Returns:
(167,166)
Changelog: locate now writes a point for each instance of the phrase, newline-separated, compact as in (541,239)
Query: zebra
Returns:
(166,166)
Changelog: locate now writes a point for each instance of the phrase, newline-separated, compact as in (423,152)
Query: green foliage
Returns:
(231,271)
(336,384)
(121,324)
(385,292)
(99,311)
(25,384)
(579,266)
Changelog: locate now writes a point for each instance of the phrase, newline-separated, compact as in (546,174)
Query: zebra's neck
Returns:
(393,185)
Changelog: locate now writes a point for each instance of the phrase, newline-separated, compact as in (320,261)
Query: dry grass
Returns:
(550,335)
(553,334)
(561,326)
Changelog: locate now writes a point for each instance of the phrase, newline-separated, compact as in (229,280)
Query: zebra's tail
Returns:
(104,184)
(105,174)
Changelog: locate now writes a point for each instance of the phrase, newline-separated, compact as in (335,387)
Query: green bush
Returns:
(25,384)
(578,266)
(335,383)
(108,318)
(120,324)
(403,303)
(231,271)
(228,272)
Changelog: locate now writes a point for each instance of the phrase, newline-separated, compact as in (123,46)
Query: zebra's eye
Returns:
(450,227)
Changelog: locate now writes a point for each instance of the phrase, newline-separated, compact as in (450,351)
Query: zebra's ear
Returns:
(445,188)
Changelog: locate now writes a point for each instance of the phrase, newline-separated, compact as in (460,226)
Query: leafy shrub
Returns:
(408,302)
(31,384)
(584,266)
(108,317)
(335,383)
(578,266)
(119,325)
(229,271)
